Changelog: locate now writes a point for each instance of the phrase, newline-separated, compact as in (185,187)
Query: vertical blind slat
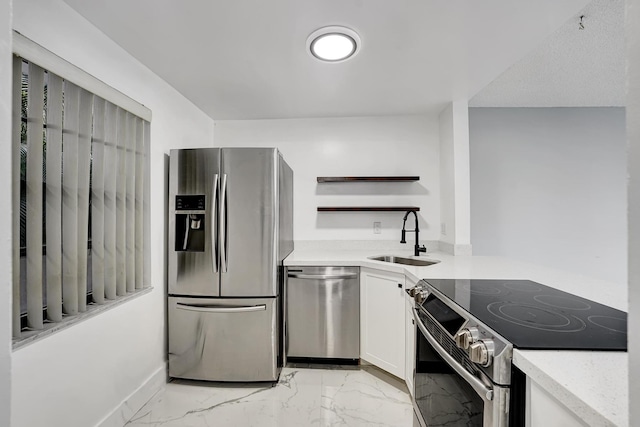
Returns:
(139,174)
(147,205)
(70,199)
(97,201)
(34,196)
(84,164)
(110,167)
(15,191)
(54,198)
(121,217)
(130,202)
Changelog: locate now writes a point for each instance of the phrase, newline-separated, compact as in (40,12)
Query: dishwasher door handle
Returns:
(323,276)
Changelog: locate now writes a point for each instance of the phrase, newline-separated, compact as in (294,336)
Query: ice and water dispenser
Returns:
(190,223)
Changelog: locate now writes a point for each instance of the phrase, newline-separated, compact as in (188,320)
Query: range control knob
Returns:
(481,352)
(414,290)
(467,336)
(420,296)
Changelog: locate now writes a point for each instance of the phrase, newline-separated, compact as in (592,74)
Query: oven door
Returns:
(445,393)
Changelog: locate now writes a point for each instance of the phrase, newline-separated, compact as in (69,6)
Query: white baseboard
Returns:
(136,400)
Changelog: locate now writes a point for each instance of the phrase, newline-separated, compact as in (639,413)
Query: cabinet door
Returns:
(382,320)
(544,410)
(410,340)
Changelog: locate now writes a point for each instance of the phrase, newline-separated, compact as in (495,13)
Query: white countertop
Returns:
(594,385)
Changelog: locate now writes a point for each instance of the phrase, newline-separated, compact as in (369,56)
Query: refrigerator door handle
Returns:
(214,223)
(220,308)
(224,241)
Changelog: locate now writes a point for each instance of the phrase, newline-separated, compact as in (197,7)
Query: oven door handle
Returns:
(485,392)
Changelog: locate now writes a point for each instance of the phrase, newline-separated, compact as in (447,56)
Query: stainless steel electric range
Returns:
(467,330)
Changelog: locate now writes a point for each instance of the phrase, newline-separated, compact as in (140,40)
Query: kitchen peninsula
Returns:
(585,386)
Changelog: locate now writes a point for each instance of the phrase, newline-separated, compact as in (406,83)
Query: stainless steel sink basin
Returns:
(403,260)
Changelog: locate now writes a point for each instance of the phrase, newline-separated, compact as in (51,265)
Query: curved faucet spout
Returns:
(417,248)
(406,215)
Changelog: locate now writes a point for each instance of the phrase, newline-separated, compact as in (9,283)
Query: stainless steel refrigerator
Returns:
(230,228)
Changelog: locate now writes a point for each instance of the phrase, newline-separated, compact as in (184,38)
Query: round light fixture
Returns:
(333,44)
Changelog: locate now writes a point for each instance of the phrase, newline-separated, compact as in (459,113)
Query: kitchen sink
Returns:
(403,260)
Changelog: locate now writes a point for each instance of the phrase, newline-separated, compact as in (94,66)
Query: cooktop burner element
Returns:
(614,324)
(518,285)
(478,288)
(569,303)
(534,316)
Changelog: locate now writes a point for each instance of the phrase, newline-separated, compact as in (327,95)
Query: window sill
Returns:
(29,337)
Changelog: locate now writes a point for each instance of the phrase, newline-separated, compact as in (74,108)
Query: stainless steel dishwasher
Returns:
(323,313)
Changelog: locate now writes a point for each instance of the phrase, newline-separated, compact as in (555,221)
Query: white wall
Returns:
(77,377)
(455,229)
(5,214)
(403,145)
(549,185)
(633,138)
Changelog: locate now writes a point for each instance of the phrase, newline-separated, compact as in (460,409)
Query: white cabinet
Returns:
(410,338)
(382,320)
(543,410)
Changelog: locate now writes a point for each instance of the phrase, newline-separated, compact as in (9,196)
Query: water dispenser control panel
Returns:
(190,223)
(190,203)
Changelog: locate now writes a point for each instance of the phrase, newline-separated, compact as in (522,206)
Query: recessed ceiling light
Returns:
(333,44)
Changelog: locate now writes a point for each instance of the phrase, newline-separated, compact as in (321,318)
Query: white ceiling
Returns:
(246,59)
(571,68)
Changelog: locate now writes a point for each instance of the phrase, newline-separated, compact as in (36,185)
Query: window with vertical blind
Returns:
(80,198)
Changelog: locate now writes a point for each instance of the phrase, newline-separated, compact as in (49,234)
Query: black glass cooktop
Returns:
(534,316)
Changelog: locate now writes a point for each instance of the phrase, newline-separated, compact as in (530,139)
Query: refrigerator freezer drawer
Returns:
(217,339)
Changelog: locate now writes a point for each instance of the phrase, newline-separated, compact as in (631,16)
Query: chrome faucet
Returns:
(417,248)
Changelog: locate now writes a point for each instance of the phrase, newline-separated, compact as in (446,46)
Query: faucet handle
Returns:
(422,249)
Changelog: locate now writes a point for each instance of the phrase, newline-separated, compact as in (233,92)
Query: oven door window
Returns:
(442,396)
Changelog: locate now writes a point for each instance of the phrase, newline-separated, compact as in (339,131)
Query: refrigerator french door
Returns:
(230,228)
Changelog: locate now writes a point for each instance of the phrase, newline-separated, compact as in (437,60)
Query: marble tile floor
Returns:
(306,395)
